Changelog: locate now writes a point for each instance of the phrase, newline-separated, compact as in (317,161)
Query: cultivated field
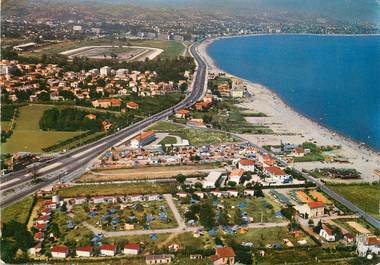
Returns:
(143,173)
(365,196)
(27,135)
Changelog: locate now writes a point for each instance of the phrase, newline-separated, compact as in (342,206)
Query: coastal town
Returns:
(124,142)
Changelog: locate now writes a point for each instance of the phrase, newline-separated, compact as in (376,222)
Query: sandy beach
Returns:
(290,126)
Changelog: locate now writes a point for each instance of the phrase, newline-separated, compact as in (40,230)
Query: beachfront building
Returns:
(142,139)
(211,180)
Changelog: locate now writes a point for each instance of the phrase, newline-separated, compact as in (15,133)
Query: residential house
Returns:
(246,164)
(276,174)
(311,209)
(182,114)
(132,105)
(223,256)
(366,244)
(327,233)
(106,103)
(236,174)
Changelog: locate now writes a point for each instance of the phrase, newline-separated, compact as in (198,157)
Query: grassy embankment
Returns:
(365,196)
(18,211)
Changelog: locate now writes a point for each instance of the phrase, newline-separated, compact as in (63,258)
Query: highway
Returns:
(77,159)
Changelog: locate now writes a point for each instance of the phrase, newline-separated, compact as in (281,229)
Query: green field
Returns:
(171,48)
(27,135)
(115,189)
(168,140)
(18,211)
(365,196)
(196,137)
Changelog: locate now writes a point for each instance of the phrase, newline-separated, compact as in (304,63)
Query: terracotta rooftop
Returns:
(317,204)
(275,171)
(246,162)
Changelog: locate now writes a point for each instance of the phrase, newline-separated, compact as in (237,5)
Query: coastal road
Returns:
(77,159)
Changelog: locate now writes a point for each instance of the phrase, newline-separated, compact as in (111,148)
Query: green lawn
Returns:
(116,189)
(168,140)
(18,211)
(27,135)
(365,196)
(196,137)
(260,237)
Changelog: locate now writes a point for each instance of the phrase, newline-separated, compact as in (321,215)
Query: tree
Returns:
(207,215)
(238,216)
(43,96)
(180,178)
(232,184)
(223,218)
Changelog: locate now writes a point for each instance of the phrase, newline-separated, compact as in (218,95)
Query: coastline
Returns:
(294,127)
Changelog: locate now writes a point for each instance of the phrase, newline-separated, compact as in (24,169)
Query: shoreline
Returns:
(266,99)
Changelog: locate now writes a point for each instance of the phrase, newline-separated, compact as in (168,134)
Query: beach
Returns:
(290,126)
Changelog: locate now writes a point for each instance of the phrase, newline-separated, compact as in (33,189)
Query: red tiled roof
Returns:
(132,104)
(275,171)
(225,252)
(328,230)
(85,248)
(38,235)
(237,172)
(108,247)
(373,240)
(40,226)
(317,204)
(246,162)
(134,246)
(144,135)
(43,218)
(60,249)
(182,111)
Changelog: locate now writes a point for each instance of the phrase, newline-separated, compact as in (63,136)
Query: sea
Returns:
(333,80)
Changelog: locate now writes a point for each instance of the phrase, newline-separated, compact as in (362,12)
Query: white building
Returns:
(235,175)
(327,233)
(77,28)
(366,244)
(211,180)
(106,70)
